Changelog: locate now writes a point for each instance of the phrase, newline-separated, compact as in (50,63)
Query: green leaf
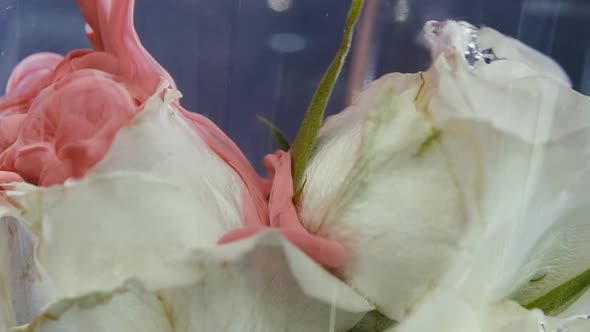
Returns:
(562,296)
(304,141)
(280,138)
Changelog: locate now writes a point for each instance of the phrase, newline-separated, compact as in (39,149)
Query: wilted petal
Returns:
(339,140)
(262,284)
(149,199)
(519,99)
(379,184)
(161,142)
(521,144)
(463,40)
(529,231)
(97,232)
(509,48)
(24,287)
(562,250)
(449,312)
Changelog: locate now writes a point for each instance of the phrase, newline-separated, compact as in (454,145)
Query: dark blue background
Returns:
(219,53)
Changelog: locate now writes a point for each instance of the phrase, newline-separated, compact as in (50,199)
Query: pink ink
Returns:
(68,128)
(283,217)
(60,115)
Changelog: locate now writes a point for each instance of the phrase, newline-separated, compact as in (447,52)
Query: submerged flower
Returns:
(466,190)
(458,190)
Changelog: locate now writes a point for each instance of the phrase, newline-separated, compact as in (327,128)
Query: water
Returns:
(234,59)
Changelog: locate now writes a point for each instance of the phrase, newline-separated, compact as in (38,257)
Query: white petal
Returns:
(513,95)
(514,139)
(530,204)
(161,142)
(448,312)
(24,287)
(520,140)
(7,318)
(153,199)
(526,183)
(451,38)
(562,247)
(444,313)
(395,207)
(580,307)
(509,48)
(159,192)
(339,143)
(262,284)
(99,231)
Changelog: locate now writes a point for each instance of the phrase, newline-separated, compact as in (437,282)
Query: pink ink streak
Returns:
(283,217)
(60,115)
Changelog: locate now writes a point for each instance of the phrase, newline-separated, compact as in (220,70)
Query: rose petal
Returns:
(521,144)
(24,287)
(262,284)
(373,186)
(451,313)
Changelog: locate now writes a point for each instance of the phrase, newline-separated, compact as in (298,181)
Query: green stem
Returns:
(304,141)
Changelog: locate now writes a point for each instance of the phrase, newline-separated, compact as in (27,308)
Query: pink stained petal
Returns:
(254,199)
(283,217)
(328,253)
(281,209)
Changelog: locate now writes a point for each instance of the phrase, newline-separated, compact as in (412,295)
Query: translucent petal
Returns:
(519,139)
(509,48)
(152,200)
(24,287)
(451,313)
(149,199)
(259,284)
(458,38)
(162,142)
(379,184)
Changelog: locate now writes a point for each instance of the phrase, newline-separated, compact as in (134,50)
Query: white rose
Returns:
(456,187)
